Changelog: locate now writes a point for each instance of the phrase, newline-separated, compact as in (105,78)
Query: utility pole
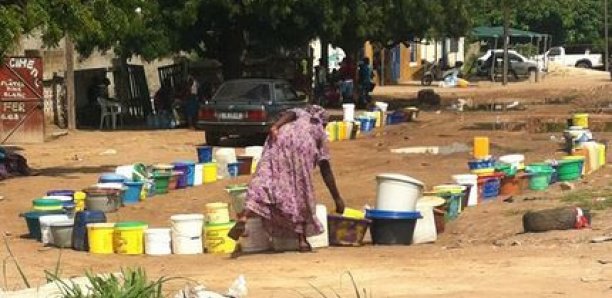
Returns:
(506,8)
(607,37)
(69,79)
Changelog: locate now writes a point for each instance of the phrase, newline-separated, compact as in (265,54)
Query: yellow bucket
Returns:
(216,240)
(353,213)
(601,150)
(332,131)
(217,213)
(100,238)
(481,147)
(341,131)
(581,119)
(209,172)
(128,237)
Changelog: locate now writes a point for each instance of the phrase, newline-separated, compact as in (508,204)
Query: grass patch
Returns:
(593,199)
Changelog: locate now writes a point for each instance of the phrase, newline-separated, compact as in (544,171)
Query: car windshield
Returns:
(243,91)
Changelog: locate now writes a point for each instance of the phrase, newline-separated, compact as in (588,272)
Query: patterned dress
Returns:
(281,191)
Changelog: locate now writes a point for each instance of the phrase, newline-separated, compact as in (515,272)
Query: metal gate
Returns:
(21,99)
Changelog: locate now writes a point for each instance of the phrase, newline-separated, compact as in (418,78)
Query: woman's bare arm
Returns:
(330,182)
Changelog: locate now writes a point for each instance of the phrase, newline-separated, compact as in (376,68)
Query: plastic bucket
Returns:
(481,147)
(233,169)
(569,169)
(162,168)
(245,165)
(321,240)
(581,119)
(65,200)
(472,181)
(189,225)
(238,194)
(198,175)
(173,180)
(105,200)
(161,180)
(183,178)
(344,231)
(216,240)
(425,230)
(79,232)
(342,131)
(46,205)
(510,185)
(224,156)
(45,226)
(33,223)
(517,160)
(100,237)
(111,178)
(205,154)
(348,111)
(398,192)
(158,242)
(132,193)
(61,192)
(332,131)
(186,245)
(367,124)
(540,179)
(257,238)
(128,237)
(61,232)
(210,172)
(392,228)
(217,213)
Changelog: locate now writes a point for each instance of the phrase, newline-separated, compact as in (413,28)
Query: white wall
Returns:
(433,51)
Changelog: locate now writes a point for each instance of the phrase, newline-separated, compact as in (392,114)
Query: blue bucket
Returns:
(491,188)
(79,233)
(188,169)
(111,178)
(386,214)
(367,124)
(131,195)
(233,169)
(204,154)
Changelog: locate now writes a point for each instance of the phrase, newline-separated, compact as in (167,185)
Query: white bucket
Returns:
(126,171)
(224,156)
(187,225)
(398,192)
(425,229)
(45,226)
(185,245)
(198,176)
(349,111)
(157,242)
(257,238)
(516,160)
(383,106)
(256,152)
(323,239)
(472,180)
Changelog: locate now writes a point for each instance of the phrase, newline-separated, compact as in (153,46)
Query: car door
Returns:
(556,55)
(517,64)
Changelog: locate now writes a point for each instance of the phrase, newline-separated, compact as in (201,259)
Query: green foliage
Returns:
(131,283)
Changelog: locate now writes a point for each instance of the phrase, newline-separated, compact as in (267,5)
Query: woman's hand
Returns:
(339,205)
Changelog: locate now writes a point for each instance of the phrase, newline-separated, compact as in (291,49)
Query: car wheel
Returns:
(212,138)
(583,64)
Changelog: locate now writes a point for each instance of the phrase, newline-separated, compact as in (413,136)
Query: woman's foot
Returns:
(237,230)
(303,245)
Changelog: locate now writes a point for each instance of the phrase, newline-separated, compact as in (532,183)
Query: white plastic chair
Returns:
(109,109)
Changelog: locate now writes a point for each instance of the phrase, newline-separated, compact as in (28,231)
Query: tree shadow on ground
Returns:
(72,172)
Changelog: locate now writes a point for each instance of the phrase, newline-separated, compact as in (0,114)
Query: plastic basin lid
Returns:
(47,202)
(384,214)
(133,183)
(399,177)
(432,201)
(219,225)
(63,223)
(128,225)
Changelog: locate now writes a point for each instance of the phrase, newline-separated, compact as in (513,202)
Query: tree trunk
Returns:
(232,58)
(69,77)
(506,8)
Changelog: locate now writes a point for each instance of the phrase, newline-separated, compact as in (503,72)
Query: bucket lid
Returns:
(384,214)
(181,217)
(399,177)
(47,202)
(219,226)
(216,205)
(111,185)
(236,188)
(184,162)
(163,166)
(59,198)
(49,218)
(433,201)
(158,231)
(210,164)
(60,192)
(128,225)
(101,225)
(101,191)
(133,183)
(63,223)
(112,176)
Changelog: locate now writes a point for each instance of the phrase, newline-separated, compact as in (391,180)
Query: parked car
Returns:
(576,56)
(519,64)
(246,108)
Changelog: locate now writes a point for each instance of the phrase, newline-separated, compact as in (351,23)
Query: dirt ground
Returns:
(482,254)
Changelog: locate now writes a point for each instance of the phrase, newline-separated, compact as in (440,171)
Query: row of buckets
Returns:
(366,122)
(71,215)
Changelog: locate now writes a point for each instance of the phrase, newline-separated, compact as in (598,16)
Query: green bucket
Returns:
(508,169)
(570,169)
(161,180)
(540,178)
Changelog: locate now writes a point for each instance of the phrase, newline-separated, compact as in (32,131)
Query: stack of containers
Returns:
(395,216)
(218,225)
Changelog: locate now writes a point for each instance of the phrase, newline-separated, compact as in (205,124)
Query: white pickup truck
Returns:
(580,56)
